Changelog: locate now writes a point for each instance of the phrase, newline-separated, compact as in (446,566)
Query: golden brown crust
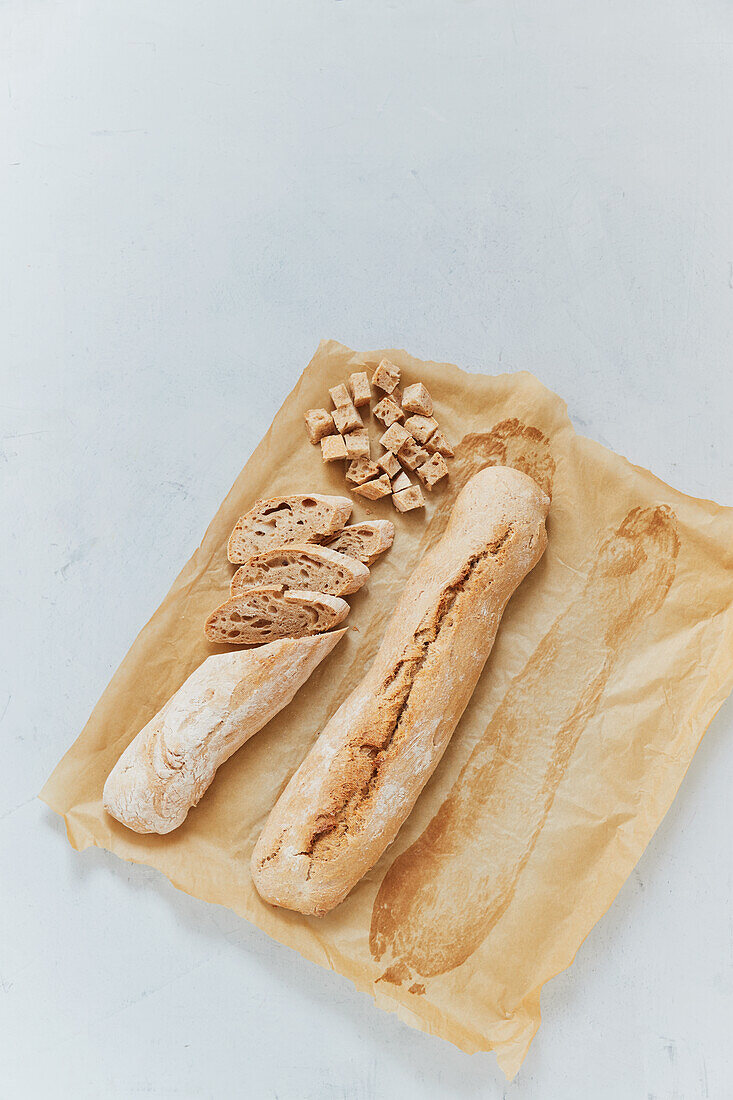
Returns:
(355,788)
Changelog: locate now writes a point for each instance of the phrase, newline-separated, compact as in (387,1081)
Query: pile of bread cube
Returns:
(412,442)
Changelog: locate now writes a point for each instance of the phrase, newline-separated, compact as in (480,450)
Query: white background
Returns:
(192,195)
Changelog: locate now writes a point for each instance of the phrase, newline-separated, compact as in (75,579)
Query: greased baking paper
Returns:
(611,660)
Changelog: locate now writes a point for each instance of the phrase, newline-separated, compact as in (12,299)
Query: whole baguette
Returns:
(356,787)
(167,768)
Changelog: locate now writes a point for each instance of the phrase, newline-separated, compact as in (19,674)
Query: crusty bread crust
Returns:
(280,521)
(167,768)
(267,612)
(317,568)
(360,780)
(364,541)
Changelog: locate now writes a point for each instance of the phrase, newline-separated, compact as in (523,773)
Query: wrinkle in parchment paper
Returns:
(612,658)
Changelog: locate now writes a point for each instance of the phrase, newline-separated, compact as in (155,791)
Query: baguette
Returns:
(271,611)
(167,768)
(350,796)
(318,568)
(280,521)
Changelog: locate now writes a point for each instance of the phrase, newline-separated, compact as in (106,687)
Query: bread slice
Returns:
(281,521)
(270,612)
(317,568)
(364,541)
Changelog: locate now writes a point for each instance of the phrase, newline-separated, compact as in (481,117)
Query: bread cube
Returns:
(357,443)
(373,490)
(410,455)
(433,470)
(318,422)
(340,396)
(346,418)
(361,470)
(438,444)
(390,464)
(386,376)
(416,399)
(421,427)
(395,437)
(408,499)
(401,482)
(361,390)
(333,448)
(388,411)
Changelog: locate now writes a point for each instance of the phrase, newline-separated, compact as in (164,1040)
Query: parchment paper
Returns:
(612,658)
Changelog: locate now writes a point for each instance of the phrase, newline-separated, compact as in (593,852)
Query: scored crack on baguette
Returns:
(268,612)
(282,520)
(170,764)
(316,568)
(364,541)
(348,799)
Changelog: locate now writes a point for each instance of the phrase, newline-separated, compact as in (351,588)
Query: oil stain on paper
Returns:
(479,842)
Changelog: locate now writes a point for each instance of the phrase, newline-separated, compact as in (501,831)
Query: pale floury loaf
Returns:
(167,768)
(357,785)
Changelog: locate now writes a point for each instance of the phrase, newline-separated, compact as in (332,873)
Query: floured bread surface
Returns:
(316,568)
(167,768)
(268,612)
(281,521)
(364,541)
(357,785)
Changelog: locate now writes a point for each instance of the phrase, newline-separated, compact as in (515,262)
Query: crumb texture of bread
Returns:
(432,471)
(408,499)
(388,411)
(374,490)
(416,399)
(411,455)
(421,427)
(268,612)
(347,419)
(318,423)
(395,437)
(317,568)
(280,521)
(170,764)
(438,444)
(387,376)
(357,444)
(340,396)
(361,390)
(348,799)
(365,541)
(390,463)
(361,470)
(333,448)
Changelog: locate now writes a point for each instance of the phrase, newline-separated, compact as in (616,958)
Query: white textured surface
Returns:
(193,195)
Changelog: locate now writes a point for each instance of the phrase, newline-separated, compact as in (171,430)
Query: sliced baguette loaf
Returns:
(364,541)
(269,612)
(171,763)
(315,568)
(280,521)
